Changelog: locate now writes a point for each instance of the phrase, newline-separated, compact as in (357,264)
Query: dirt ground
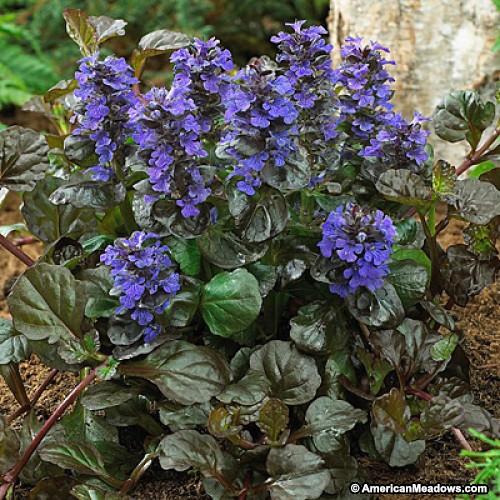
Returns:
(440,463)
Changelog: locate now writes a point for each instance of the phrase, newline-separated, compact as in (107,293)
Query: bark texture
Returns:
(438,45)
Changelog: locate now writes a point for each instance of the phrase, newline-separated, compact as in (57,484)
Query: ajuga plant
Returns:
(244,269)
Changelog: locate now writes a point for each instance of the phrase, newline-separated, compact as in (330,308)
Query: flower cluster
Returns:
(399,143)
(172,124)
(365,105)
(261,120)
(304,57)
(106,99)
(144,278)
(359,244)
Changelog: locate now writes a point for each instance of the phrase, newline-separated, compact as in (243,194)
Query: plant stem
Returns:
(10,477)
(477,156)
(351,388)
(431,242)
(306,207)
(461,439)
(459,436)
(28,240)
(36,396)
(15,383)
(138,472)
(431,220)
(17,252)
(128,215)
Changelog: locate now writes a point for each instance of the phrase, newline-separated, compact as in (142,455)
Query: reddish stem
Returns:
(9,246)
(11,476)
(355,390)
(246,486)
(456,432)
(28,240)
(36,396)
(477,156)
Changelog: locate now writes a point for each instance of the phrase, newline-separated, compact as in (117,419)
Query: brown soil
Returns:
(440,463)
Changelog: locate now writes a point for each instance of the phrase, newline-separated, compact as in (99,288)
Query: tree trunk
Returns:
(438,45)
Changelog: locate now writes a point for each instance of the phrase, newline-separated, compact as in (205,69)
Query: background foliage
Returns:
(35,51)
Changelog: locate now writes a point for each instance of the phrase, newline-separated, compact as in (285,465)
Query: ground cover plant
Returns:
(243,268)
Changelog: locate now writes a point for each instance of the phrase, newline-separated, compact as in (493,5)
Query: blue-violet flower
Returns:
(106,99)
(359,244)
(144,278)
(171,125)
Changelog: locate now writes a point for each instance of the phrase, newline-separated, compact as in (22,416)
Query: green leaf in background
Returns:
(88,32)
(224,249)
(294,376)
(92,491)
(294,175)
(23,158)
(230,302)
(328,419)
(47,302)
(82,457)
(409,233)
(481,240)
(185,449)
(381,309)
(186,253)
(89,194)
(184,373)
(391,411)
(394,448)
(441,414)
(49,222)
(415,255)
(179,417)
(13,346)
(443,349)
(12,228)
(463,115)
(465,274)
(82,425)
(154,44)
(9,446)
(55,488)
(260,217)
(476,201)
(376,369)
(409,280)
(444,178)
(273,419)
(81,31)
(248,391)
(477,171)
(404,187)
(184,305)
(439,314)
(106,394)
(296,473)
(318,327)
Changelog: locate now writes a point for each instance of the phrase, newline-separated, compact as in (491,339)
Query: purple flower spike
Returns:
(359,243)
(171,125)
(106,100)
(144,278)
